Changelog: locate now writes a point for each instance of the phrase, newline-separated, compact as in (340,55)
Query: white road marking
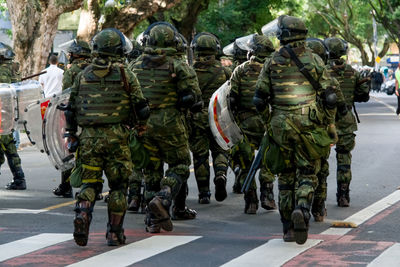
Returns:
(137,251)
(383,103)
(390,257)
(21,211)
(273,253)
(31,244)
(366,213)
(377,114)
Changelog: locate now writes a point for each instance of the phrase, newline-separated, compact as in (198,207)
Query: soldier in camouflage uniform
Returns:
(9,74)
(318,208)
(211,75)
(242,84)
(171,88)
(104,97)
(79,58)
(353,91)
(298,122)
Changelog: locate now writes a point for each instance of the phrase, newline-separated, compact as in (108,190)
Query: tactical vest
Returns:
(102,100)
(291,90)
(248,85)
(158,85)
(345,76)
(211,77)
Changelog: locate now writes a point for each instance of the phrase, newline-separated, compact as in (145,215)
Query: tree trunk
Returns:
(34,25)
(88,21)
(126,18)
(186,25)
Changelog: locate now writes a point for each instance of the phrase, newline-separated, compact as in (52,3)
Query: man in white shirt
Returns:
(52,80)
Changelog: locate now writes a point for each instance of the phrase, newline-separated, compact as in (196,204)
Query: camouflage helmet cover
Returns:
(238,53)
(161,34)
(80,48)
(336,47)
(111,42)
(318,47)
(206,43)
(182,43)
(6,52)
(259,45)
(291,29)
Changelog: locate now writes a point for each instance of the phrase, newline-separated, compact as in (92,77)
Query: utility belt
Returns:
(304,110)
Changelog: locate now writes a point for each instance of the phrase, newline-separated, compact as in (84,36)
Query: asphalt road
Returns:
(36,227)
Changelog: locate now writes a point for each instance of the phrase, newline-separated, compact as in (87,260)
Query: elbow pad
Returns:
(197,107)
(186,100)
(259,101)
(330,98)
(142,110)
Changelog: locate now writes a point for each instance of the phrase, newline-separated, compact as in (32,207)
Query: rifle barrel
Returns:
(33,75)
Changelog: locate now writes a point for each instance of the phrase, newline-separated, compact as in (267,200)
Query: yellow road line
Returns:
(67,203)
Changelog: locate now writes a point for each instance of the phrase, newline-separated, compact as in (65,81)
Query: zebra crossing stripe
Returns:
(366,214)
(390,257)
(137,251)
(273,253)
(31,244)
(21,211)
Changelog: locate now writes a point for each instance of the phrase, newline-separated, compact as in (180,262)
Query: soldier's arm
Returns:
(234,84)
(67,81)
(361,92)
(187,83)
(70,109)
(263,89)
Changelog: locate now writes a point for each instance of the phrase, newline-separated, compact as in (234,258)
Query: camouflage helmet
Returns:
(259,45)
(6,52)
(291,29)
(318,47)
(336,47)
(111,42)
(79,48)
(206,43)
(161,34)
(136,50)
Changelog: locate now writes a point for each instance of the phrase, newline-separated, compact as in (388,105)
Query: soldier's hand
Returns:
(73,143)
(333,133)
(141,129)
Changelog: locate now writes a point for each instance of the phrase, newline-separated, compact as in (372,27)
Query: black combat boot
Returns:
(236,188)
(288,232)
(267,196)
(83,217)
(179,210)
(251,202)
(220,187)
(204,197)
(342,195)
(300,219)
(152,225)
(115,232)
(16,184)
(63,190)
(159,206)
(318,210)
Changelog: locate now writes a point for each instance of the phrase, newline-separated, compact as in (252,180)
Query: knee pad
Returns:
(88,194)
(117,202)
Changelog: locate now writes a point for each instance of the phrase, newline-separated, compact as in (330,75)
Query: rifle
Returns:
(255,165)
(33,75)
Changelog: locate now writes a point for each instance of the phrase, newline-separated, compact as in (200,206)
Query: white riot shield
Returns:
(33,122)
(271,29)
(28,92)
(222,123)
(245,42)
(55,144)
(228,50)
(7,109)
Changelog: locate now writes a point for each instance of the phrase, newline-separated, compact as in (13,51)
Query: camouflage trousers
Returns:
(242,155)
(10,151)
(344,146)
(321,190)
(298,180)
(201,142)
(105,149)
(166,141)
(135,182)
